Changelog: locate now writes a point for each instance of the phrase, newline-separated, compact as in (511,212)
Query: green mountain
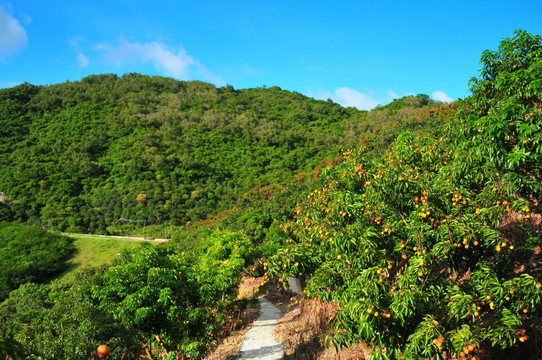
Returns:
(79,156)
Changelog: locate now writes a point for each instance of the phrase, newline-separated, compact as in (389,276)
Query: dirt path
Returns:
(260,343)
(135,238)
(118,237)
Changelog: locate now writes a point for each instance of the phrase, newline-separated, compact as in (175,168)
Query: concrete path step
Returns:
(260,343)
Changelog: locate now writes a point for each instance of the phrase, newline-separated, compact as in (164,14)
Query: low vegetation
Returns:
(151,299)
(29,254)
(92,250)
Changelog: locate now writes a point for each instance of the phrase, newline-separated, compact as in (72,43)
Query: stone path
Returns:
(260,343)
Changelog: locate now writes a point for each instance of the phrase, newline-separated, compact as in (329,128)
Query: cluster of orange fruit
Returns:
(438,342)
(467,350)
(423,199)
(376,313)
(359,170)
(521,335)
(425,213)
(499,247)
(465,243)
(526,210)
(458,198)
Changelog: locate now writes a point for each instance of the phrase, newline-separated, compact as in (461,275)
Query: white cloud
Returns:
(82,60)
(9,84)
(350,97)
(320,94)
(346,96)
(27,20)
(12,35)
(441,96)
(75,41)
(172,62)
(392,95)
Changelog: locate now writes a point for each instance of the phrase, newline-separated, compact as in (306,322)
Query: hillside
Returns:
(79,156)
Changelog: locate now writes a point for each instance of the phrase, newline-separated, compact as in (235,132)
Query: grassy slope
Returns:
(94,250)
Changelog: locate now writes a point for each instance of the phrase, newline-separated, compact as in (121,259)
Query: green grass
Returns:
(95,250)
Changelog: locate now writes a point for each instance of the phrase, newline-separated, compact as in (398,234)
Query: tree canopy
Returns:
(81,155)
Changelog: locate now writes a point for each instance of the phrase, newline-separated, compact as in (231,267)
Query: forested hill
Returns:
(80,155)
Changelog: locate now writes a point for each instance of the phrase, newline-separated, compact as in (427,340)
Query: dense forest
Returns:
(419,222)
(79,156)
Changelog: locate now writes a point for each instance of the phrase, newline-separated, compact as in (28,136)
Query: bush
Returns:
(29,254)
(222,257)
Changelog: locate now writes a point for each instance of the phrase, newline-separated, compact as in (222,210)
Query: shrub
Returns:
(29,254)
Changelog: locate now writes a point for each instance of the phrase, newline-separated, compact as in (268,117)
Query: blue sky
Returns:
(358,53)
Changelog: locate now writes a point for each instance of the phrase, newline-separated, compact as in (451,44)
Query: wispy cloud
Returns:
(441,96)
(316,68)
(82,60)
(392,95)
(166,59)
(12,35)
(351,97)
(9,84)
(248,70)
(346,96)
(75,41)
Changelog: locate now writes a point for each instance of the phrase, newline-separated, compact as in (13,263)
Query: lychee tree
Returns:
(409,244)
